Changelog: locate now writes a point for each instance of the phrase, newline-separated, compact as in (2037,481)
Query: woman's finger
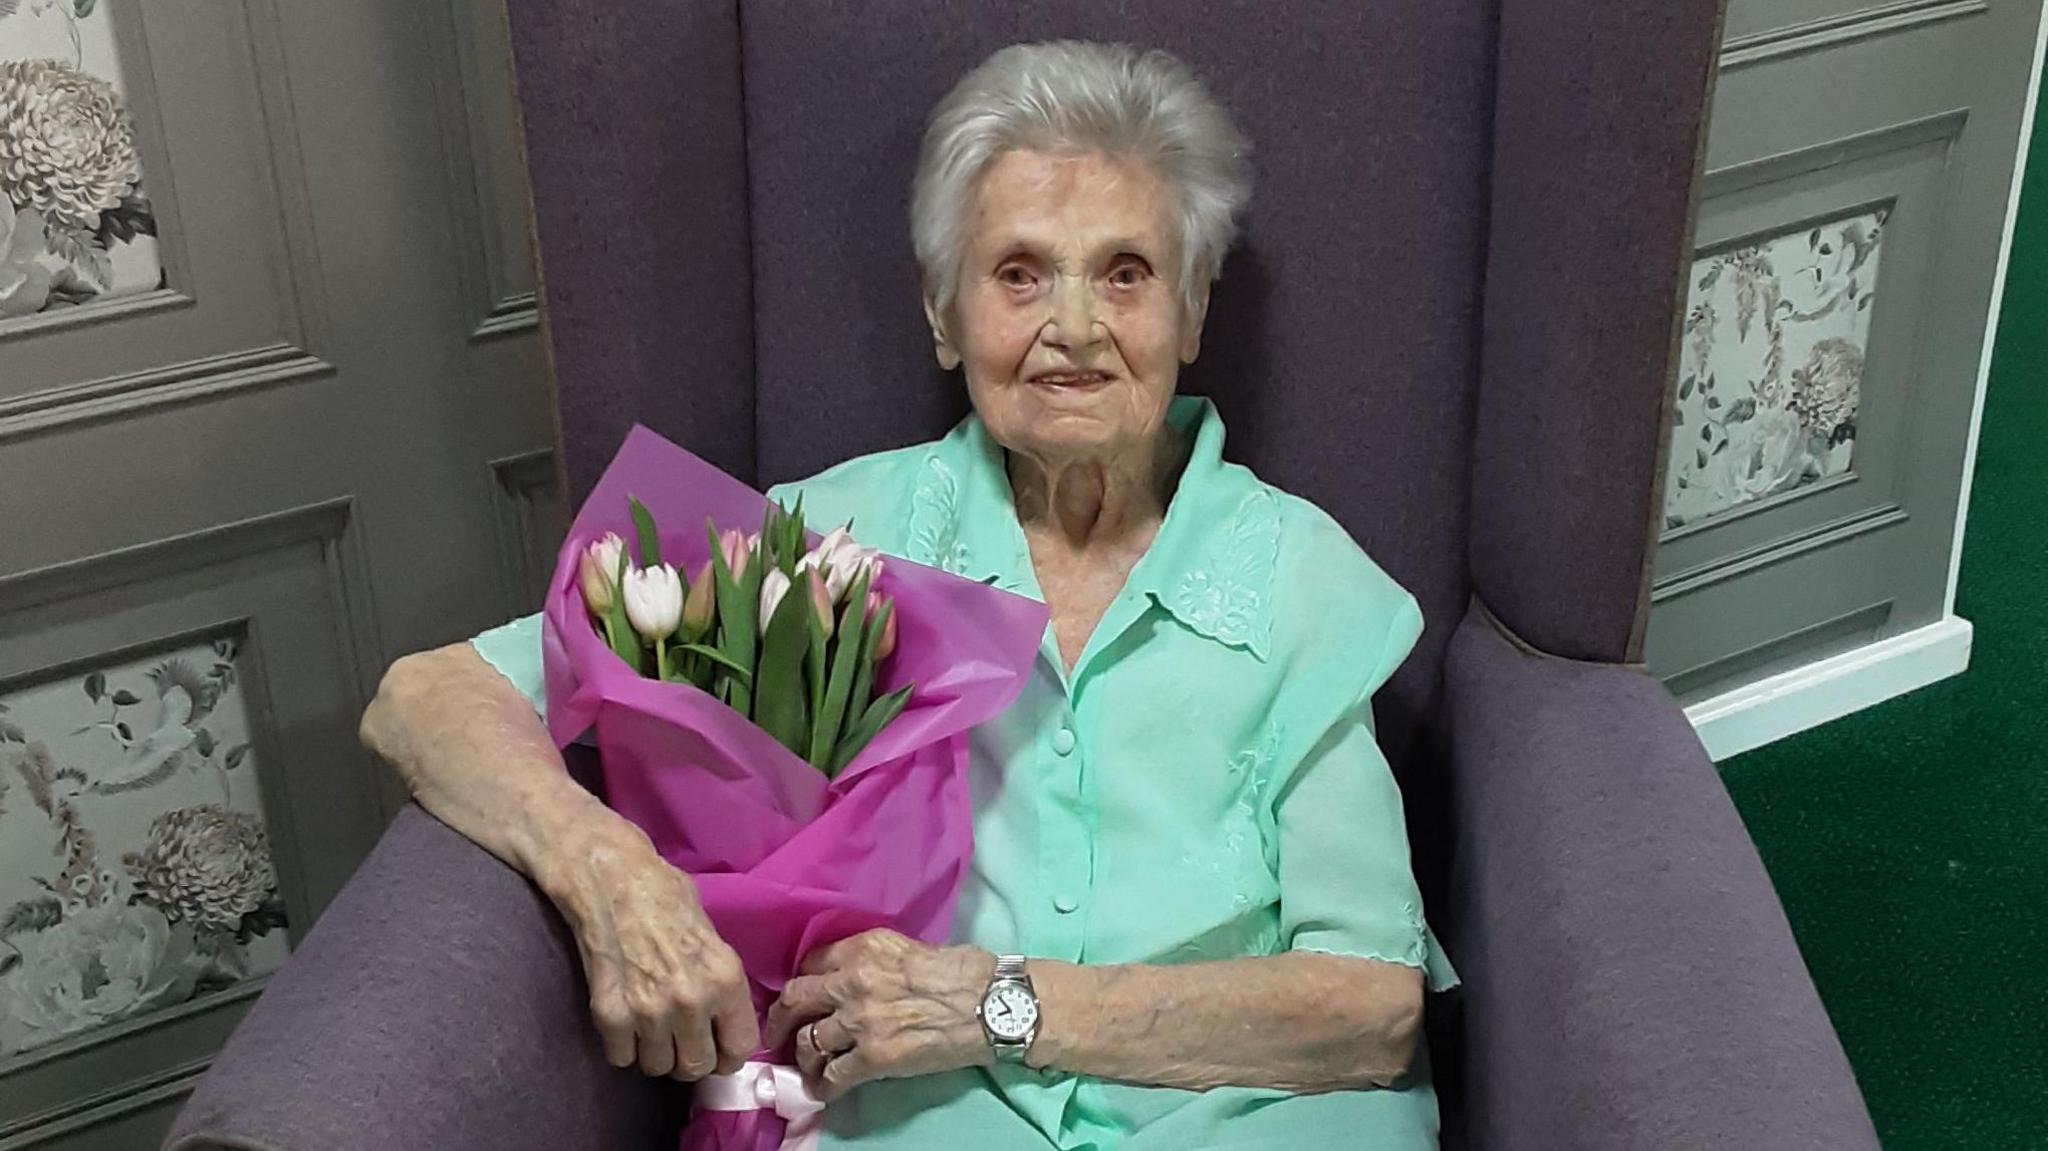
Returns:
(810,1058)
(832,1036)
(803,999)
(613,1018)
(695,1054)
(736,1037)
(657,1052)
(734,1032)
(841,1074)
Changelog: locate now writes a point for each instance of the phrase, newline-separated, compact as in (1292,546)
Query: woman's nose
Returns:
(1073,314)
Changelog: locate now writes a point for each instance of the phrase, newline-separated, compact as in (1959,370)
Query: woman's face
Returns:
(1070,320)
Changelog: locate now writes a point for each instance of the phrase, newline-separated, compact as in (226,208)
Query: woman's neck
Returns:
(1085,502)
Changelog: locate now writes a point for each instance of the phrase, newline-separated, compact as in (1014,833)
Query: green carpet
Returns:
(1910,841)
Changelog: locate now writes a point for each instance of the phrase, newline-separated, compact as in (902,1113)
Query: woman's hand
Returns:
(879,1005)
(665,990)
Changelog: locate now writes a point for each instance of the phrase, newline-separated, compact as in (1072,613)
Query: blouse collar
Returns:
(1210,566)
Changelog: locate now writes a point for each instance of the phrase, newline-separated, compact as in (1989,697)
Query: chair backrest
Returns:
(721,193)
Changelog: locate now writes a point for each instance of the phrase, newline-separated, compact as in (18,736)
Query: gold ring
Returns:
(811,1034)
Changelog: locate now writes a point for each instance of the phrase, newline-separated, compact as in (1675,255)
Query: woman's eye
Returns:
(1015,277)
(1126,276)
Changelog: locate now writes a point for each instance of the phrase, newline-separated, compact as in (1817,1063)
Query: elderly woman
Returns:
(1191,920)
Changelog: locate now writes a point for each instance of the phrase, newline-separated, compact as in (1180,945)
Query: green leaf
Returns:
(126,698)
(872,721)
(625,641)
(791,547)
(650,541)
(233,759)
(862,692)
(770,517)
(739,609)
(738,671)
(830,715)
(779,681)
(814,666)
(96,686)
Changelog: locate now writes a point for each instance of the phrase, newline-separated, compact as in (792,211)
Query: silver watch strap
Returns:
(1010,969)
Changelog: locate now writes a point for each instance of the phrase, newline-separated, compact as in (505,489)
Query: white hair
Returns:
(1071,95)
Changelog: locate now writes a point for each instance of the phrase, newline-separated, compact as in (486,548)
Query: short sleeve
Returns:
(1347,885)
(514,650)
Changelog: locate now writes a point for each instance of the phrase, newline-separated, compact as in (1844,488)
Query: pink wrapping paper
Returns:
(786,861)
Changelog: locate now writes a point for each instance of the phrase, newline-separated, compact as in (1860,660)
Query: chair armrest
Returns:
(1631,979)
(439,1002)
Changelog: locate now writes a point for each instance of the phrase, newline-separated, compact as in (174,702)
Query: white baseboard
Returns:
(1793,701)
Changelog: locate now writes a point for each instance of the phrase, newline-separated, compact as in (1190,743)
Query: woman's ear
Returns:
(942,345)
(1197,315)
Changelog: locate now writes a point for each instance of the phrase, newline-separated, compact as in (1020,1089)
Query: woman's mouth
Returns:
(1071,379)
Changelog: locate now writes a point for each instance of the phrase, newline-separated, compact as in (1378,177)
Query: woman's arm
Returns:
(1303,1022)
(883,1006)
(665,990)
(472,752)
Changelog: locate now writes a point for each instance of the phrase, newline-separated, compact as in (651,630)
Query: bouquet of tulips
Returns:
(801,666)
(789,726)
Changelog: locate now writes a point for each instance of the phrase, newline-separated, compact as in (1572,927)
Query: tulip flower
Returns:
(821,600)
(834,540)
(654,606)
(598,572)
(886,642)
(774,586)
(843,562)
(870,565)
(737,549)
(699,606)
(654,600)
(831,576)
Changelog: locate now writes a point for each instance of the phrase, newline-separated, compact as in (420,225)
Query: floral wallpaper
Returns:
(135,871)
(75,223)
(1771,373)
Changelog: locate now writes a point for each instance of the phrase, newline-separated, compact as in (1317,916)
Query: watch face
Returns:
(1010,1010)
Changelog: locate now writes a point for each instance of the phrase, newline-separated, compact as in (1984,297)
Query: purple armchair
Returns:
(1450,324)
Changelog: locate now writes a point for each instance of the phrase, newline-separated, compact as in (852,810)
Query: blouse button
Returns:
(1063,741)
(1064,904)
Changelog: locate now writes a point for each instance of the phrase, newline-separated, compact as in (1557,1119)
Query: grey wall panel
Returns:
(317,435)
(1858,164)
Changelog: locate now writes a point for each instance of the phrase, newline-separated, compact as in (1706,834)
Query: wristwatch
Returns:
(1009,1010)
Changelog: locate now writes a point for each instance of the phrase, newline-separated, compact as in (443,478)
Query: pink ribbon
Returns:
(767,1087)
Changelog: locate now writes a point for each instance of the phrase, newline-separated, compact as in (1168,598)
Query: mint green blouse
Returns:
(1203,785)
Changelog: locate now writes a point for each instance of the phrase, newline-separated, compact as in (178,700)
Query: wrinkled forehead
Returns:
(1071,204)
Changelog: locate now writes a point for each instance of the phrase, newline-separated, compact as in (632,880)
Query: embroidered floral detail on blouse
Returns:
(1225,599)
(935,519)
(1247,832)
